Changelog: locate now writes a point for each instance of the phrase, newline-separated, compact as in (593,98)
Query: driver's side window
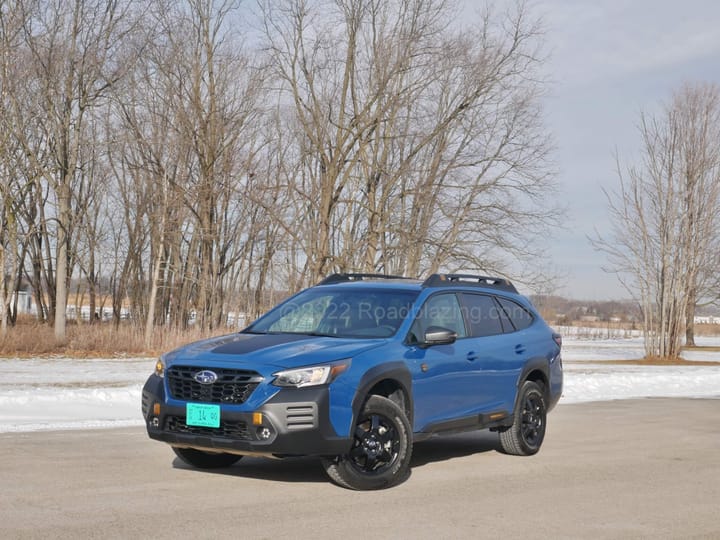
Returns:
(440,310)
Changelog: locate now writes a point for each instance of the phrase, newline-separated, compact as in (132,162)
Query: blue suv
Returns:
(356,369)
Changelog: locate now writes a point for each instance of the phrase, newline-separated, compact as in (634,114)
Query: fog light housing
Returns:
(155,421)
(264,433)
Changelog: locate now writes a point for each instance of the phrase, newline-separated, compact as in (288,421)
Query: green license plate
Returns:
(199,414)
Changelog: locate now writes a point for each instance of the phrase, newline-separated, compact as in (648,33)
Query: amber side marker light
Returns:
(257,419)
(156,409)
(337,370)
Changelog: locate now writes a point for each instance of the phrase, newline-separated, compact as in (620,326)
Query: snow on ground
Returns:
(597,382)
(66,393)
(588,379)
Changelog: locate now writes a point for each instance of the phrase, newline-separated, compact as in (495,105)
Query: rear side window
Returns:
(521,318)
(483,315)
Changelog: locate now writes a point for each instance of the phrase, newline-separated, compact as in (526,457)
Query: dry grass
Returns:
(707,329)
(98,340)
(29,338)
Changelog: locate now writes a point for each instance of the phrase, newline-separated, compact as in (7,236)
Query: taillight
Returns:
(557,338)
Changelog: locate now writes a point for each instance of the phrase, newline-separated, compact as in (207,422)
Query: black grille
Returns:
(228,429)
(233,386)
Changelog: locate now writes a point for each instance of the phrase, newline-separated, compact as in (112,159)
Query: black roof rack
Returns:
(440,280)
(343,278)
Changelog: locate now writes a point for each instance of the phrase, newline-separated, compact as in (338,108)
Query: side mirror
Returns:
(437,335)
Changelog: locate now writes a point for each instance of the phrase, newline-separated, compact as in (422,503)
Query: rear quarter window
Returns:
(520,317)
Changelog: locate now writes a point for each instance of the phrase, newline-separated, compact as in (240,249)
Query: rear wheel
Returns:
(382,446)
(206,460)
(526,435)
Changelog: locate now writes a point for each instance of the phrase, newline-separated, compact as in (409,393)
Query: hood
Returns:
(253,351)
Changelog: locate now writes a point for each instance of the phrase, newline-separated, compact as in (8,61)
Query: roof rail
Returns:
(440,280)
(344,277)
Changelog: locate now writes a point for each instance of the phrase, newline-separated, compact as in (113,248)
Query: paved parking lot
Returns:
(625,469)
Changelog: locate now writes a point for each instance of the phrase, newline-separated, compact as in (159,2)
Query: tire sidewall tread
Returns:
(511,439)
(343,472)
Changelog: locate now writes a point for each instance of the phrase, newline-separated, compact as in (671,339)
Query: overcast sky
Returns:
(611,59)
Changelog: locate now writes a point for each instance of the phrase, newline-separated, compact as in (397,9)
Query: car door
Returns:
(442,374)
(499,354)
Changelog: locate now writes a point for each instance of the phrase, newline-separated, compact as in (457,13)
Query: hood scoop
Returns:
(248,343)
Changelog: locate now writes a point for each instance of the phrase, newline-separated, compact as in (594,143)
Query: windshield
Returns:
(334,312)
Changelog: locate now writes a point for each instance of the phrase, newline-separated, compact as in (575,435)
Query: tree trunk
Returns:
(690,319)
(150,321)
(61,267)
(3,300)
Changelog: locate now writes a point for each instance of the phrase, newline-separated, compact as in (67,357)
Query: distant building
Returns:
(709,319)
(25,304)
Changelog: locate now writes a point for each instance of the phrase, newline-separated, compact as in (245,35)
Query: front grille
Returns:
(233,386)
(228,429)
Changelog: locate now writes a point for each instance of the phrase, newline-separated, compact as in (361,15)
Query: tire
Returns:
(381,451)
(526,435)
(206,460)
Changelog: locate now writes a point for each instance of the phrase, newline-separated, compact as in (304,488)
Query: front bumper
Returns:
(294,422)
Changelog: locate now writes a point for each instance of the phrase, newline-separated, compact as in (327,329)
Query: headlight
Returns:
(310,376)
(160,368)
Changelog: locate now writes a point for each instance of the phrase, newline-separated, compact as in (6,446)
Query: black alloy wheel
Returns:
(533,420)
(377,444)
(526,435)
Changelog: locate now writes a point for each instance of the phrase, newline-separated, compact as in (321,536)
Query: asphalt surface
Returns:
(625,469)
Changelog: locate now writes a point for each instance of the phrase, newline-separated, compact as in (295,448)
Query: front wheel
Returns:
(526,435)
(205,460)
(381,451)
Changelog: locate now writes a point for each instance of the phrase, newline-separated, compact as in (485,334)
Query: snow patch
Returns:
(66,393)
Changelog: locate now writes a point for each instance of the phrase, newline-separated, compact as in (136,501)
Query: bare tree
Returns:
(697,109)
(666,215)
(188,115)
(74,57)
(13,181)
(419,148)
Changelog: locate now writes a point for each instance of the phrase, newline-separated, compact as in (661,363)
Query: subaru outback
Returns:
(355,370)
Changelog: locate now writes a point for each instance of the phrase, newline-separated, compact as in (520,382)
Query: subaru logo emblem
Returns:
(205,376)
